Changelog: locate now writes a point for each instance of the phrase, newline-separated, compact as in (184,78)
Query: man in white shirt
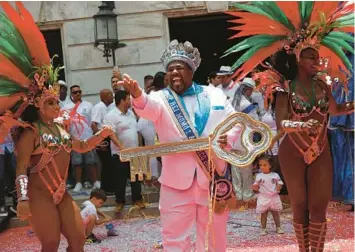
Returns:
(243,177)
(99,111)
(80,128)
(184,192)
(63,94)
(214,80)
(124,124)
(228,86)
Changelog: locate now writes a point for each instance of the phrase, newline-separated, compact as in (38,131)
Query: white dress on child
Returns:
(268,197)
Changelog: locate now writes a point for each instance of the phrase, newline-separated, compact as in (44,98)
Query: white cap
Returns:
(249,82)
(225,70)
(62,83)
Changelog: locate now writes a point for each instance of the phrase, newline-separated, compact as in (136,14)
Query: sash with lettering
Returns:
(223,181)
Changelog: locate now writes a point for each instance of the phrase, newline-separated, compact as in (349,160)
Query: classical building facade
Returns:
(143,26)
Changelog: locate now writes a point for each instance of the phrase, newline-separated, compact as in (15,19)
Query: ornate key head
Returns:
(255,139)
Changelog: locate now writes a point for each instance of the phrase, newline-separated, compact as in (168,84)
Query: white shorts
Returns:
(266,203)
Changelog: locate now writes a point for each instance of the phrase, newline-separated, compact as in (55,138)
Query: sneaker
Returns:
(97,185)
(139,204)
(263,231)
(119,207)
(69,186)
(3,212)
(112,232)
(78,187)
(279,230)
(87,184)
(91,239)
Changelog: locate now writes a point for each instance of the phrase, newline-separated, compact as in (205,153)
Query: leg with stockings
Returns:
(294,171)
(319,178)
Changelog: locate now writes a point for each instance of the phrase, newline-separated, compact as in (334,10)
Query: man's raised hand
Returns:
(131,86)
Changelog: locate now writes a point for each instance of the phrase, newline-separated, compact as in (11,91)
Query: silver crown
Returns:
(181,52)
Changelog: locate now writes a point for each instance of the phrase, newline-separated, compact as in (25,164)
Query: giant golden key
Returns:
(256,138)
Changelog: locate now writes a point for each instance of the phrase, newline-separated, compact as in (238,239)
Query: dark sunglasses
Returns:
(76,92)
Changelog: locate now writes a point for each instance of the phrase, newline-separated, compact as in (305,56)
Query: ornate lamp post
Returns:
(106,37)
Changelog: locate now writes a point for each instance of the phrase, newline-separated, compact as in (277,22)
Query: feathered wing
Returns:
(29,31)
(22,49)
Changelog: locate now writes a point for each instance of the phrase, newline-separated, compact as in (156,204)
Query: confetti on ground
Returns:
(140,235)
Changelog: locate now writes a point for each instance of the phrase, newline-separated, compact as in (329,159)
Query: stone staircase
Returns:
(150,197)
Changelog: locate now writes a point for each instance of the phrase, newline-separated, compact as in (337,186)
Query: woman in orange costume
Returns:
(297,34)
(29,97)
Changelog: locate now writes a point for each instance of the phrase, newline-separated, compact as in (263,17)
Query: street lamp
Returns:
(106,37)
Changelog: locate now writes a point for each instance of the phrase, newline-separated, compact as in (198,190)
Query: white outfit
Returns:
(229,91)
(219,86)
(257,97)
(99,111)
(268,197)
(88,208)
(64,103)
(184,191)
(125,127)
(146,129)
(81,130)
(244,103)
(269,120)
(242,177)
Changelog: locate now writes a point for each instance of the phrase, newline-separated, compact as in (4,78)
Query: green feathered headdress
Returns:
(293,26)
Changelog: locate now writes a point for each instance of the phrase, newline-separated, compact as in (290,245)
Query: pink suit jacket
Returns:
(179,169)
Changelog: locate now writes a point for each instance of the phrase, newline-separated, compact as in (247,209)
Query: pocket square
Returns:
(217,107)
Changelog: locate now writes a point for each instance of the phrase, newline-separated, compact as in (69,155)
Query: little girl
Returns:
(268,184)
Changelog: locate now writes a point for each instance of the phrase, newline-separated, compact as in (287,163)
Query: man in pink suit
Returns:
(183,111)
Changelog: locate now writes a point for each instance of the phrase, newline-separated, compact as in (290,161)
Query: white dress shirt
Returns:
(244,103)
(229,91)
(64,103)
(83,129)
(99,111)
(125,127)
(256,96)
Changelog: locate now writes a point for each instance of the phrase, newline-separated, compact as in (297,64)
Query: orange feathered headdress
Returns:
(26,73)
(293,26)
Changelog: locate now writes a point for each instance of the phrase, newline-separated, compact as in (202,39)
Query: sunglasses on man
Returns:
(76,92)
